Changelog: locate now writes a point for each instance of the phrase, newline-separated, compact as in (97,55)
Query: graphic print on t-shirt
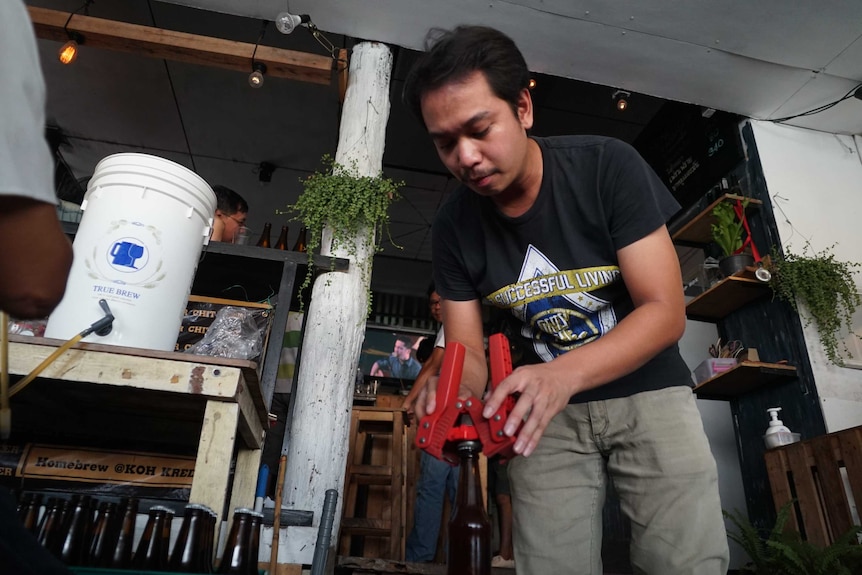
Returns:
(558,308)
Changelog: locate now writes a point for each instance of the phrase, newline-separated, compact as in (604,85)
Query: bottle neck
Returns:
(469,486)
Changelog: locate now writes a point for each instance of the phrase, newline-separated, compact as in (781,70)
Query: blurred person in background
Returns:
(230,215)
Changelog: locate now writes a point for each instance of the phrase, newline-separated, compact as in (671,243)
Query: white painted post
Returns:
(335,325)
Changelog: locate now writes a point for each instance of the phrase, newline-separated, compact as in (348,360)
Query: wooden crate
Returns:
(811,472)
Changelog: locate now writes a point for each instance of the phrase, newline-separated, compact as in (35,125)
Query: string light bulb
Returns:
(287,22)
(255,79)
(620,97)
(68,52)
(532,83)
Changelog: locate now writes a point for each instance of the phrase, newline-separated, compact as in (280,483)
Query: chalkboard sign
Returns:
(690,151)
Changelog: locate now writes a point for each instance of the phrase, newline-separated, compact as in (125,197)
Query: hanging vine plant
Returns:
(355,208)
(827,289)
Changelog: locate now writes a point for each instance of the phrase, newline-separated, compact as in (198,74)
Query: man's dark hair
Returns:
(431,289)
(228,201)
(454,54)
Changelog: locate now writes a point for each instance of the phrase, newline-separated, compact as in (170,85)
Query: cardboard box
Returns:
(712,367)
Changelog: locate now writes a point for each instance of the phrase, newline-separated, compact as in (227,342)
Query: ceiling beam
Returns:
(183,47)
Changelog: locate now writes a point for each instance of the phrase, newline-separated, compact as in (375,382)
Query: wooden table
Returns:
(140,397)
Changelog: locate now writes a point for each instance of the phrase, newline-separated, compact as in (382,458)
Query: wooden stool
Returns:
(375,490)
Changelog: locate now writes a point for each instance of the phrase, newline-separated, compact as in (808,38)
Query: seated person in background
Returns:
(400,364)
(230,215)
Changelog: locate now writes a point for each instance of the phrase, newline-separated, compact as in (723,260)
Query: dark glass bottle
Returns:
(299,246)
(187,555)
(263,242)
(469,527)
(23,502)
(235,559)
(30,513)
(121,555)
(281,244)
(254,542)
(103,541)
(209,542)
(151,554)
(75,530)
(51,523)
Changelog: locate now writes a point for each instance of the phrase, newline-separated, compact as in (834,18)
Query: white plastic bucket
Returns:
(145,222)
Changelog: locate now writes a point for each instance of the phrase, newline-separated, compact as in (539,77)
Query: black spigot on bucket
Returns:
(103,326)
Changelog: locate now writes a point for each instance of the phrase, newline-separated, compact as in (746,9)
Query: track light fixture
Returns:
(258,69)
(68,52)
(287,23)
(620,97)
(264,172)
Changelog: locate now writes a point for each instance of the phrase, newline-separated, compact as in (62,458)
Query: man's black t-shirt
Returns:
(555,267)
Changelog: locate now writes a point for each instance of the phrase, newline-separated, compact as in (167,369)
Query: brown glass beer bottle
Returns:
(151,554)
(30,517)
(101,543)
(469,527)
(121,555)
(281,244)
(235,559)
(299,246)
(254,542)
(263,242)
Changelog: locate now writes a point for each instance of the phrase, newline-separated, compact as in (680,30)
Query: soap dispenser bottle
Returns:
(777,433)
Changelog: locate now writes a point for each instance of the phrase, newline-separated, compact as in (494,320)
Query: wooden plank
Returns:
(726,296)
(182,47)
(698,231)
(244,478)
(806,492)
(215,450)
(187,375)
(743,378)
(385,566)
(835,505)
(396,492)
(776,469)
(850,441)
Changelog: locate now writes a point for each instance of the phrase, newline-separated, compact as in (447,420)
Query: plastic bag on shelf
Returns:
(234,333)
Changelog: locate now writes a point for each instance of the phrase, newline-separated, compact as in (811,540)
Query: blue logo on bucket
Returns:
(128,255)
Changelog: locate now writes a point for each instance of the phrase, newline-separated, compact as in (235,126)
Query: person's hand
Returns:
(545,391)
(409,404)
(376,371)
(426,402)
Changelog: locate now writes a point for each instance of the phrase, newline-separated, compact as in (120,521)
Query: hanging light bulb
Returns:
(621,99)
(68,52)
(532,83)
(287,22)
(255,79)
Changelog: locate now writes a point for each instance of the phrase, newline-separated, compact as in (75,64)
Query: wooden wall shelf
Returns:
(745,377)
(727,296)
(698,231)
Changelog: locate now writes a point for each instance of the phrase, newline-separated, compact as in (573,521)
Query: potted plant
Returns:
(355,208)
(784,552)
(727,233)
(826,289)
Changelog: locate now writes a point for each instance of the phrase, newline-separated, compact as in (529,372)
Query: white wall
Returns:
(815,183)
(718,424)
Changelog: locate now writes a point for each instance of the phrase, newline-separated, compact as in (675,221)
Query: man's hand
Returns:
(545,391)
